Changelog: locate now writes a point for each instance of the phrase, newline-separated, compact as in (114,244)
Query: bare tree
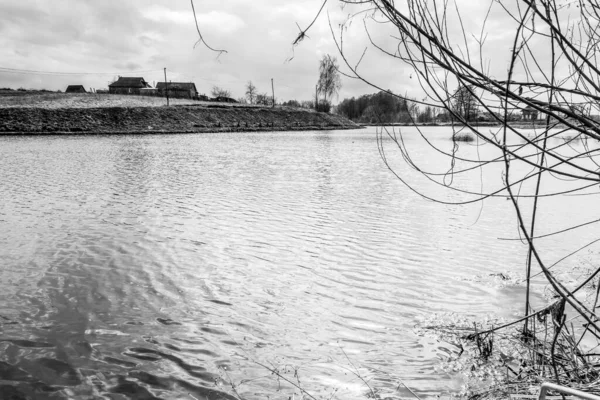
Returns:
(464,102)
(329,82)
(217,91)
(264,99)
(251,92)
(426,115)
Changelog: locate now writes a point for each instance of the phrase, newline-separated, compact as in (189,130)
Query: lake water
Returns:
(182,266)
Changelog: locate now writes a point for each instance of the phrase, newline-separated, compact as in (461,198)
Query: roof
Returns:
(74,87)
(130,82)
(177,86)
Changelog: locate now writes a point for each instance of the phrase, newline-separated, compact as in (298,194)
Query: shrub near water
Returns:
(499,359)
(463,137)
(324,106)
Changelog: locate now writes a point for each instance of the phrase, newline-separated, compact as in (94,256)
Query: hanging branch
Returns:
(201,38)
(302,33)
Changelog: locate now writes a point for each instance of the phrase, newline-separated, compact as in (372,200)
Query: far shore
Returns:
(59,113)
(39,113)
(514,124)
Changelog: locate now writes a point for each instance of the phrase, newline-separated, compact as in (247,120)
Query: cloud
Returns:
(94,36)
(161,14)
(129,66)
(150,39)
(214,20)
(220,21)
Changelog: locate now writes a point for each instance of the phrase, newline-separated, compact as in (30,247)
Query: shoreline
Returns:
(517,125)
(178,119)
(178,132)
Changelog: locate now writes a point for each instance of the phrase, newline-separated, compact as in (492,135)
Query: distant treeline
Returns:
(384,107)
(379,107)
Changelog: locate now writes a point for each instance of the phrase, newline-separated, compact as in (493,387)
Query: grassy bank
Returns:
(58,113)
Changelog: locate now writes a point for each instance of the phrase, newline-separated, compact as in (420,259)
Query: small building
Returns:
(128,85)
(529,114)
(75,89)
(180,90)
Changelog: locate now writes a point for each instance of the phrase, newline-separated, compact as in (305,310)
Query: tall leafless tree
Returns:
(464,102)
(251,92)
(329,82)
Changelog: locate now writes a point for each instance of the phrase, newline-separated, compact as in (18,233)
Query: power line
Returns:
(36,72)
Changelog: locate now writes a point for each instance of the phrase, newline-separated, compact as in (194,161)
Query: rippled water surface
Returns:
(181,267)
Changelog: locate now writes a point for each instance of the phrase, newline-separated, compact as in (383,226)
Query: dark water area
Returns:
(187,266)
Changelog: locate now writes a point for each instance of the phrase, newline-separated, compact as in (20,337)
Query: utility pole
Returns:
(166,87)
(273,91)
(316,97)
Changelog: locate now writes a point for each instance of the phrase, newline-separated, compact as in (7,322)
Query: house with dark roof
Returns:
(529,113)
(181,90)
(75,89)
(127,85)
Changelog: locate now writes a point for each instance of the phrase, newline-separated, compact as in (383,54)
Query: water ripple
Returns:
(154,266)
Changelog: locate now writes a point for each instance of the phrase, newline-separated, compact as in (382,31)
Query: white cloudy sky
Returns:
(111,36)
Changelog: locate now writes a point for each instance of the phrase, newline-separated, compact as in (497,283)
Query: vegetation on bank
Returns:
(500,358)
(386,108)
(377,108)
(111,114)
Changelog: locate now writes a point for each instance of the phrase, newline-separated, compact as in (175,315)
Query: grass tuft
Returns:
(463,137)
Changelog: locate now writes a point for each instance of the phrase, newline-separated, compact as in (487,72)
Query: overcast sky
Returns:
(127,36)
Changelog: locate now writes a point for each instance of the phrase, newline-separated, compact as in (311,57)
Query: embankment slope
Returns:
(44,117)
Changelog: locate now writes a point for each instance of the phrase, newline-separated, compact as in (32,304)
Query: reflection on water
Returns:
(182,266)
